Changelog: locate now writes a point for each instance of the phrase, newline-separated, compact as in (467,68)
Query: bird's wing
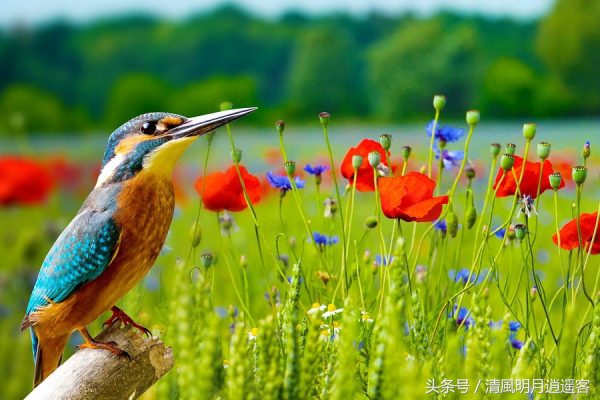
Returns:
(80,254)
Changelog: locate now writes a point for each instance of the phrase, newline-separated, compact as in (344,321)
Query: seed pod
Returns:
(324,119)
(529,131)
(406,150)
(236,155)
(439,102)
(520,231)
(280,125)
(495,149)
(507,161)
(374,159)
(357,161)
(510,148)
(452,224)
(472,117)
(543,150)
(470,217)
(555,180)
(579,174)
(290,167)
(386,141)
(371,222)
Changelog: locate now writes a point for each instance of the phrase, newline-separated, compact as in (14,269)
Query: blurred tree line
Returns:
(63,76)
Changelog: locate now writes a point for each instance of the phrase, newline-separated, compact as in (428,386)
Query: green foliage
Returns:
(27,108)
(133,95)
(325,74)
(424,57)
(375,66)
(568,42)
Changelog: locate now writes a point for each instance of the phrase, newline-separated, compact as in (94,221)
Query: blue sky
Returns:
(35,11)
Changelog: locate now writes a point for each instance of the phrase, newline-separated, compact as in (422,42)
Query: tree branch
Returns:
(98,374)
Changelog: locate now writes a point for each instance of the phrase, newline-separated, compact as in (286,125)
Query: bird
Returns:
(116,236)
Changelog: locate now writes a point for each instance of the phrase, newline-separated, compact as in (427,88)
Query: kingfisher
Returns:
(114,239)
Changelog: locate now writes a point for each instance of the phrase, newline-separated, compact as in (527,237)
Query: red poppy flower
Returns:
(364,178)
(223,190)
(568,233)
(410,198)
(23,181)
(529,183)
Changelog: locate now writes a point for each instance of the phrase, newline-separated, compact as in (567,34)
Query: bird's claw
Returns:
(109,346)
(120,315)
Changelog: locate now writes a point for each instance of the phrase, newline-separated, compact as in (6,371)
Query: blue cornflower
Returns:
(290,279)
(445,133)
(441,226)
(462,275)
(500,233)
(514,326)
(515,343)
(324,240)
(316,170)
(450,158)
(282,182)
(383,261)
(463,317)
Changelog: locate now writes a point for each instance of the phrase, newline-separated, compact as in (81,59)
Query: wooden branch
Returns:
(99,374)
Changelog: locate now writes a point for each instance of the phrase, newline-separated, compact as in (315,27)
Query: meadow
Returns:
(358,277)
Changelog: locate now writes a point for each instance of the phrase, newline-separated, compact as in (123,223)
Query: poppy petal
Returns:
(427,210)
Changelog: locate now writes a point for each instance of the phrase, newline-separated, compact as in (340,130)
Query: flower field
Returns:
(424,269)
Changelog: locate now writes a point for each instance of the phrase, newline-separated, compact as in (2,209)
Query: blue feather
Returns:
(81,253)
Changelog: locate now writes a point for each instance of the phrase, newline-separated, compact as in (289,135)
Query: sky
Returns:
(38,11)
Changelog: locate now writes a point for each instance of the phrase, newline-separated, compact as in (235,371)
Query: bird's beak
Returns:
(202,124)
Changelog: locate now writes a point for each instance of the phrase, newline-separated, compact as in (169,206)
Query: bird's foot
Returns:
(109,346)
(120,315)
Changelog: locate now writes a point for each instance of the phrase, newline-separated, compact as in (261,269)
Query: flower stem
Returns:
(433,129)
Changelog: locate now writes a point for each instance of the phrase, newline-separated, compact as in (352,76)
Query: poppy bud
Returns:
(226,105)
(452,224)
(555,180)
(280,125)
(510,148)
(236,155)
(324,119)
(529,131)
(533,292)
(485,293)
(371,222)
(507,161)
(290,167)
(196,234)
(472,117)
(423,169)
(374,159)
(510,233)
(406,150)
(366,257)
(543,150)
(579,174)
(470,172)
(495,149)
(243,262)
(386,141)
(520,231)
(357,161)
(439,102)
(470,217)
(585,153)
(207,259)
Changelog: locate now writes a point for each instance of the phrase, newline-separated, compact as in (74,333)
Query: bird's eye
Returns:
(148,128)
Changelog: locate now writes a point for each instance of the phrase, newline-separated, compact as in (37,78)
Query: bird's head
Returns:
(155,141)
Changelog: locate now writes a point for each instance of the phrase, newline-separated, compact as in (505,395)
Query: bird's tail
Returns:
(47,353)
